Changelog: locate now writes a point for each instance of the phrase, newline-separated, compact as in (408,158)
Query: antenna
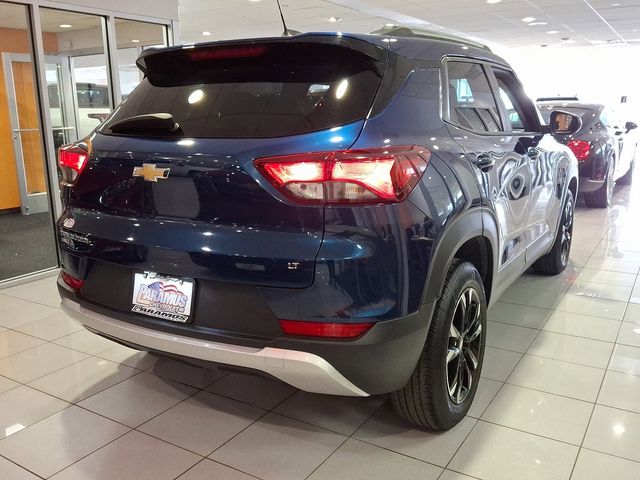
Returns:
(286,32)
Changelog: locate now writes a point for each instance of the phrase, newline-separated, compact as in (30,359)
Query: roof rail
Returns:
(402,31)
(553,99)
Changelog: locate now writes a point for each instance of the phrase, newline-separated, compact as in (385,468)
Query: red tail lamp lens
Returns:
(320,329)
(226,52)
(72,160)
(347,176)
(73,282)
(580,149)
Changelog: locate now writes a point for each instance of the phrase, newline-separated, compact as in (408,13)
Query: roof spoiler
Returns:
(402,31)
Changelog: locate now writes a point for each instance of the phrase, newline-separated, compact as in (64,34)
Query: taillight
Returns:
(322,329)
(580,149)
(73,282)
(224,53)
(347,176)
(72,159)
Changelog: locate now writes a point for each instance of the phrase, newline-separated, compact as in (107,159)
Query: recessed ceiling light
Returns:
(135,40)
(615,4)
(552,32)
(528,19)
(536,24)
(334,19)
(65,25)
(493,1)
(570,41)
(205,33)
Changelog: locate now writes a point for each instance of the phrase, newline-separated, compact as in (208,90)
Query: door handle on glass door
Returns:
(484,161)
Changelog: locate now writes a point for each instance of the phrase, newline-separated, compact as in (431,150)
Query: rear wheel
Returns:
(444,382)
(601,198)
(557,259)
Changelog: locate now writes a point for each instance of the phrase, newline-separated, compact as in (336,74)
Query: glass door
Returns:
(26,136)
(61,107)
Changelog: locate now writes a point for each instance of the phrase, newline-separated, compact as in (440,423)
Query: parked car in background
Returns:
(335,210)
(605,147)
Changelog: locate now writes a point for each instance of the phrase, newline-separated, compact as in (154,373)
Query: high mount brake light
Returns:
(72,160)
(580,149)
(322,329)
(347,176)
(226,52)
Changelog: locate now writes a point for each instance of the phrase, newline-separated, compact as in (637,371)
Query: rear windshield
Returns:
(269,90)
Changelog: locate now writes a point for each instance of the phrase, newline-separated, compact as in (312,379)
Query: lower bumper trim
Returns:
(303,370)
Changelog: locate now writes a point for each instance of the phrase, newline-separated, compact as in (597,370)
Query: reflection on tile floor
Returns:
(559,398)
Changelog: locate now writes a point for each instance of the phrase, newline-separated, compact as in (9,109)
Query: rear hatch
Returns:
(188,201)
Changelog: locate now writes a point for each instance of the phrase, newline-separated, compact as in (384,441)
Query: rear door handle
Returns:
(484,161)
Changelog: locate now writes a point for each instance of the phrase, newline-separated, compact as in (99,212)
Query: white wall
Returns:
(595,74)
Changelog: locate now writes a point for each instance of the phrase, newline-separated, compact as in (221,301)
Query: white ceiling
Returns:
(578,22)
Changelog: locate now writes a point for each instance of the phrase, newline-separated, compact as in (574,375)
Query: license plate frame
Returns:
(161,296)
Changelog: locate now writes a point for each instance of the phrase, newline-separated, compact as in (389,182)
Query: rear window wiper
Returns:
(150,124)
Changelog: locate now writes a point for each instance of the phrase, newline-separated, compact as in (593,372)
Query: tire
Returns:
(601,198)
(432,397)
(557,259)
(627,178)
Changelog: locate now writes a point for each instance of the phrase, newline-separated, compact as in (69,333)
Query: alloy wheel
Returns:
(566,230)
(464,347)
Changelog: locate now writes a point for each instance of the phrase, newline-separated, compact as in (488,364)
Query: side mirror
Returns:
(630,126)
(564,123)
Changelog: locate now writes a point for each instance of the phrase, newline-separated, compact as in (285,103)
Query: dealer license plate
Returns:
(164,297)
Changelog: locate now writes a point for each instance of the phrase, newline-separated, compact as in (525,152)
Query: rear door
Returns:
(190,202)
(501,164)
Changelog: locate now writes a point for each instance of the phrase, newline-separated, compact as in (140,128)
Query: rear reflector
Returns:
(73,282)
(321,329)
(580,149)
(347,176)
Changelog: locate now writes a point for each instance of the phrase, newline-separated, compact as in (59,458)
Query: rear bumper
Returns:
(303,370)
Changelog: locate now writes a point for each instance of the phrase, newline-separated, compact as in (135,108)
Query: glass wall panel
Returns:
(76,71)
(132,38)
(27,242)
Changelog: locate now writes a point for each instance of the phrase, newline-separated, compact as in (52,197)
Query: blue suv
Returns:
(333,210)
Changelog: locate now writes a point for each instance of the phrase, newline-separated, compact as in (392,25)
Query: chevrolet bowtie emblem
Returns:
(150,173)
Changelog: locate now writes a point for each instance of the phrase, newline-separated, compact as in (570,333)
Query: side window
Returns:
(520,111)
(471,102)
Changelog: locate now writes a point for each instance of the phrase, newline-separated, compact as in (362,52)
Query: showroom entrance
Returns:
(77,66)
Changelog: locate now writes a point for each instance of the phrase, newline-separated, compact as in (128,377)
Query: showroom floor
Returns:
(560,398)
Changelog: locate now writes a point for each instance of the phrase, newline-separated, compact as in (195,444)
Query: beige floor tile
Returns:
(543,282)
(38,361)
(23,406)
(50,328)
(592,306)
(11,471)
(635,294)
(487,390)
(85,341)
(532,298)
(598,466)
(601,290)
(14,342)
(83,379)
(138,399)
(253,389)
(135,456)
(7,303)
(451,475)
(509,337)
(7,384)
(281,448)
(339,414)
(632,315)
(625,359)
(356,460)
(130,357)
(568,348)
(498,364)
(210,470)
(629,334)
(532,411)
(203,422)
(385,429)
(23,314)
(561,378)
(620,390)
(607,277)
(613,265)
(59,440)
(586,326)
(616,253)
(519,315)
(498,453)
(615,432)
(44,291)
(195,376)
